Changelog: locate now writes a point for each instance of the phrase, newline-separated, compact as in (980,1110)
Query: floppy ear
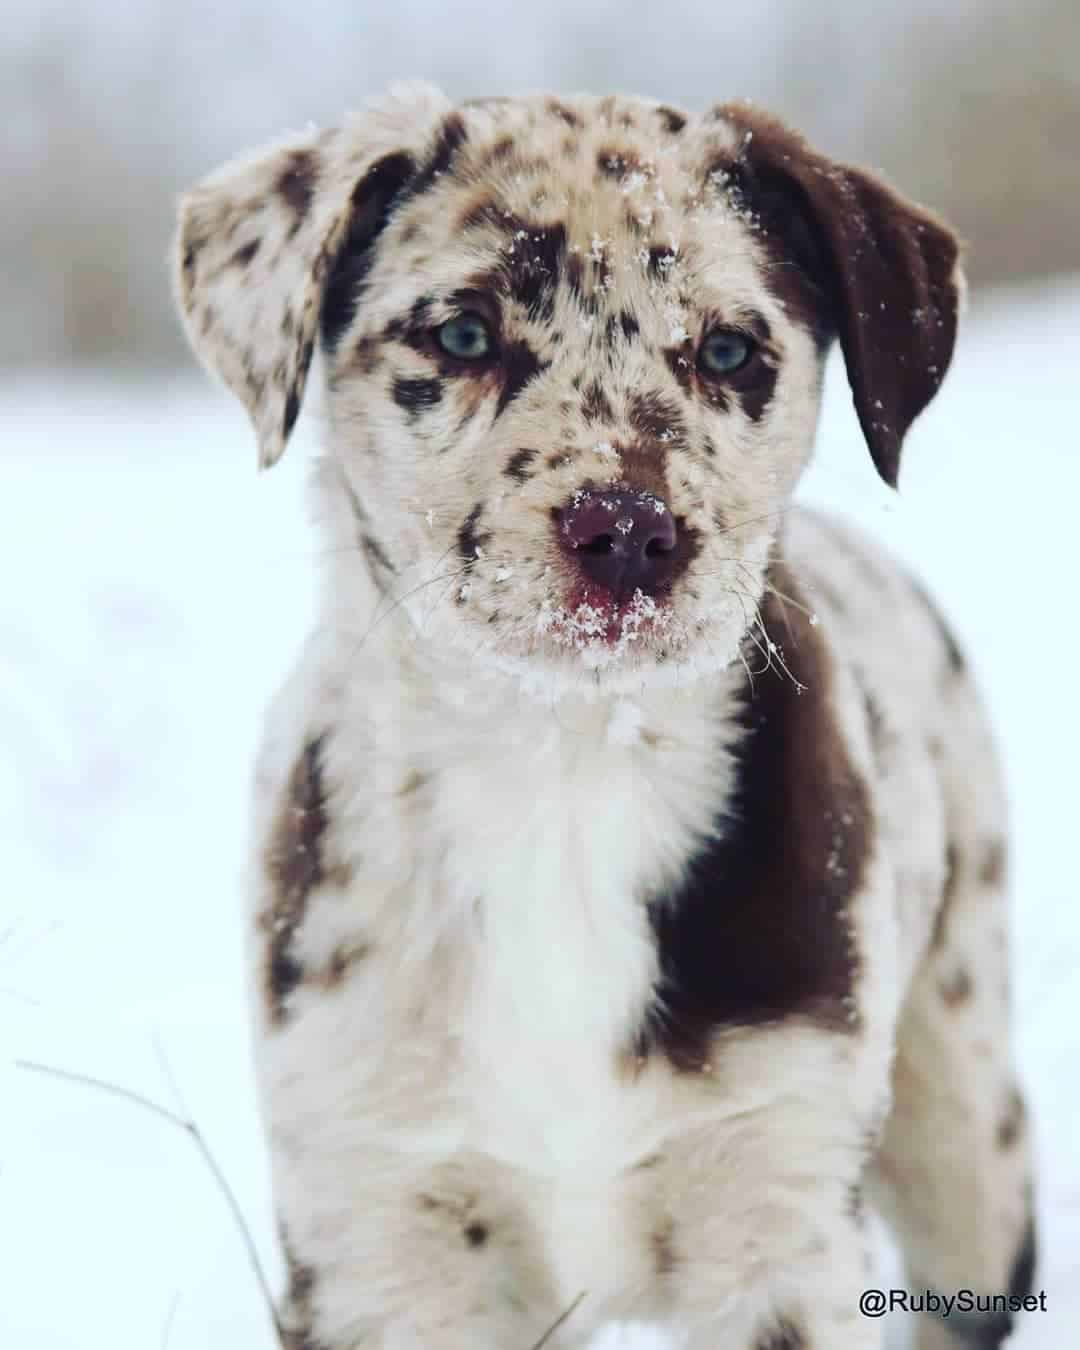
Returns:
(259,240)
(886,271)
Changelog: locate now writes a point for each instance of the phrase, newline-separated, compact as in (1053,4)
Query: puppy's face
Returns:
(573,352)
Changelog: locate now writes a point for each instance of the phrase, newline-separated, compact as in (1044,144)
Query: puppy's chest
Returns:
(534,868)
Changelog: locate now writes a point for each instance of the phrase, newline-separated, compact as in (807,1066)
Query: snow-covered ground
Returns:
(153,592)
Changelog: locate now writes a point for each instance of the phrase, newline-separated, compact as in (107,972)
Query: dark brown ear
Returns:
(883,274)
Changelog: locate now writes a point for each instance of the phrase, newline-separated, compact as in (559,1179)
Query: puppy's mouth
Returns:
(593,619)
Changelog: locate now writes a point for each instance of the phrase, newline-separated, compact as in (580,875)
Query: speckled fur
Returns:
(604,962)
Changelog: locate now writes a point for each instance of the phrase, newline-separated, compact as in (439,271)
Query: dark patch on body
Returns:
(299,1311)
(452,136)
(612,162)
(294,866)
(662,1245)
(469,539)
(373,202)
(680,361)
(1010,1126)
(595,404)
(517,466)
(532,270)
(759,930)
(416,396)
(755,388)
(520,364)
(671,119)
(245,253)
(661,260)
(786,1335)
(992,863)
(296,182)
(1022,1276)
(656,419)
(476,1234)
(292,411)
(565,114)
(956,988)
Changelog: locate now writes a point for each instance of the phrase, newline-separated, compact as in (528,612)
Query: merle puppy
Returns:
(629,876)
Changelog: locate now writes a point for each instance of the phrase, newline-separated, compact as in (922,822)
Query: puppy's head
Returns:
(573,352)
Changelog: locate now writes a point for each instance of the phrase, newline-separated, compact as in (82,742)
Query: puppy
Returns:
(629,875)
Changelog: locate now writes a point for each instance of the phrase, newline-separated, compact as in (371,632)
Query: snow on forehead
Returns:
(612,186)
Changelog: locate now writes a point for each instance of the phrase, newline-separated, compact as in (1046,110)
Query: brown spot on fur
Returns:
(452,136)
(673,121)
(595,405)
(992,863)
(657,420)
(296,182)
(292,411)
(680,362)
(245,253)
(520,364)
(476,1234)
(416,396)
(661,261)
(299,1332)
(754,387)
(294,866)
(564,114)
(532,270)
(1011,1125)
(629,325)
(517,466)
(786,1335)
(759,929)
(372,203)
(612,162)
(956,988)
(662,1244)
(469,539)
(365,355)
(344,957)
(485,210)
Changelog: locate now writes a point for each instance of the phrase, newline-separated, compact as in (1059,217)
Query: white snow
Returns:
(155,588)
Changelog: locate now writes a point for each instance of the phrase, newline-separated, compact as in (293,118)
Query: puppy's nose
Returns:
(621,539)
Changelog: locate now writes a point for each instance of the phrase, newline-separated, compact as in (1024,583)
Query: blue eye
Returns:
(467,337)
(725,351)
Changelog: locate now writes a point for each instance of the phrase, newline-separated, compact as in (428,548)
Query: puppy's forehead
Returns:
(630,176)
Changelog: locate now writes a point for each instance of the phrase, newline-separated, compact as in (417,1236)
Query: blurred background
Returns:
(155,589)
(108,107)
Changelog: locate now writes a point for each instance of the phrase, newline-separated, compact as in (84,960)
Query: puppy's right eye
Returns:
(467,337)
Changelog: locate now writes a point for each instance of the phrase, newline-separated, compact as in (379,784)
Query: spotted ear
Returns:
(260,240)
(885,272)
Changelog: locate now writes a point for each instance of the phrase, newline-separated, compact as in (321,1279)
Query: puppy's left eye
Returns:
(467,337)
(724,351)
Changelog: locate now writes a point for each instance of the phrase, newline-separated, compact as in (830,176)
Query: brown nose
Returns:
(621,539)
